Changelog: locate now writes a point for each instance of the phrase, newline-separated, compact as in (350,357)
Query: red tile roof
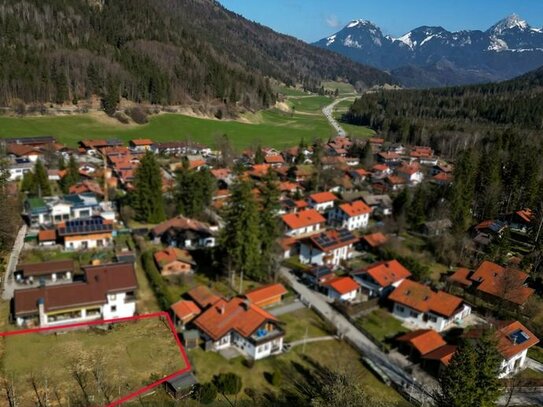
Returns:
(443,177)
(47,235)
(303,219)
(142,142)
(234,315)
(274,159)
(508,346)
(395,180)
(343,285)
(443,354)
(421,298)
(505,283)
(322,197)
(380,168)
(461,276)
(423,340)
(203,296)
(409,169)
(375,239)
(262,295)
(386,273)
(355,209)
(172,254)
(526,214)
(185,310)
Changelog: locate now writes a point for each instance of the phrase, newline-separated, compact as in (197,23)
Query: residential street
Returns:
(328,112)
(9,282)
(356,338)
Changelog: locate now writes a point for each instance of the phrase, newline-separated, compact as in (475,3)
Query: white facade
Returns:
(334,295)
(414,179)
(350,223)
(321,207)
(17,172)
(309,254)
(514,364)
(89,242)
(119,305)
(429,320)
(303,231)
(248,348)
(374,289)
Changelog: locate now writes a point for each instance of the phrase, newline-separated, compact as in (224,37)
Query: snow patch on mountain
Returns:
(349,42)
(497,44)
(330,40)
(406,39)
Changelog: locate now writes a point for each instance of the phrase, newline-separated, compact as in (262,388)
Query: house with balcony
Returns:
(238,323)
(106,292)
(185,233)
(45,272)
(327,248)
(381,278)
(57,209)
(420,306)
(303,223)
(350,216)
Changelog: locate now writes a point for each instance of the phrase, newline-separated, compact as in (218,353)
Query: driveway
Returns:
(9,279)
(347,331)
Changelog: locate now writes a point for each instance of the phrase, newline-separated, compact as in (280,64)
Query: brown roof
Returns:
(46,268)
(421,298)
(47,235)
(261,295)
(375,239)
(443,354)
(332,239)
(234,315)
(183,223)
(99,281)
(185,310)
(203,296)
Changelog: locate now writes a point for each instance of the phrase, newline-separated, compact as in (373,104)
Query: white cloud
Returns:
(332,21)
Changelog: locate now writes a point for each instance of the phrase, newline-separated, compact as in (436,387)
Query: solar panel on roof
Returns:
(518,337)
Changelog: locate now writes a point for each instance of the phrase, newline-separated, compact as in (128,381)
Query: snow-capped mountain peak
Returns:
(510,23)
(360,23)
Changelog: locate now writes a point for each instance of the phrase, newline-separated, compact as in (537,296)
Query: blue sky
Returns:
(311,20)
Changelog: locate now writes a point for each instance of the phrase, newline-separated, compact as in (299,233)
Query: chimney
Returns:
(245,304)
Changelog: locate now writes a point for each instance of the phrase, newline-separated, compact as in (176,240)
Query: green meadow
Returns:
(273,127)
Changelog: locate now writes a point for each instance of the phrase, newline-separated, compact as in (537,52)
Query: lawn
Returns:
(272,127)
(123,359)
(344,88)
(334,354)
(309,104)
(303,321)
(381,325)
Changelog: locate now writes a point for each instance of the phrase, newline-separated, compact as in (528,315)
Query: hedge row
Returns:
(163,295)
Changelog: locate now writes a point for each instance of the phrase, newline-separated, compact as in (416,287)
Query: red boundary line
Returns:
(119,320)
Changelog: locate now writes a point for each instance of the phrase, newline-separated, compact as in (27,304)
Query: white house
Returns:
(327,248)
(423,308)
(343,289)
(107,292)
(381,278)
(411,173)
(303,223)
(238,323)
(19,167)
(351,216)
(322,201)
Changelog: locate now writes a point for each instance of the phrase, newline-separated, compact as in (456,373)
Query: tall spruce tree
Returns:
(194,191)
(147,199)
(463,190)
(259,155)
(40,185)
(269,224)
(488,368)
(240,236)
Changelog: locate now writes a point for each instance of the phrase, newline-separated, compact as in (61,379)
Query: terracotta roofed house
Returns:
(422,341)
(322,201)
(203,296)
(303,223)
(240,324)
(381,278)
(327,248)
(351,216)
(185,311)
(374,240)
(268,295)
(342,289)
(418,305)
(174,261)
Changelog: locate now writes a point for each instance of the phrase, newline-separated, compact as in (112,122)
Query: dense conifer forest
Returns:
(159,51)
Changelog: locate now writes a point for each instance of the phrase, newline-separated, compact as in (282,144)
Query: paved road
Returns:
(355,337)
(328,112)
(286,309)
(9,280)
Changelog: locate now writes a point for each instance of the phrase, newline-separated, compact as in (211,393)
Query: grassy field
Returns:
(270,127)
(334,354)
(125,358)
(381,325)
(343,87)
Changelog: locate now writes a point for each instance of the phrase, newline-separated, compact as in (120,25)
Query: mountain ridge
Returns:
(507,49)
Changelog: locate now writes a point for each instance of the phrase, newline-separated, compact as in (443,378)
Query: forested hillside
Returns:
(160,51)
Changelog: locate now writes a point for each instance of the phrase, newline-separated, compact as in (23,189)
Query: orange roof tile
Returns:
(355,209)
(322,197)
(380,168)
(421,298)
(203,296)
(47,235)
(303,219)
(142,142)
(375,239)
(461,276)
(514,338)
(261,295)
(423,340)
(443,354)
(395,180)
(234,315)
(343,285)
(274,159)
(443,177)
(185,310)
(386,273)
(526,214)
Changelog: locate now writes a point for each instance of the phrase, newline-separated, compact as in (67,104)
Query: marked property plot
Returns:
(102,363)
